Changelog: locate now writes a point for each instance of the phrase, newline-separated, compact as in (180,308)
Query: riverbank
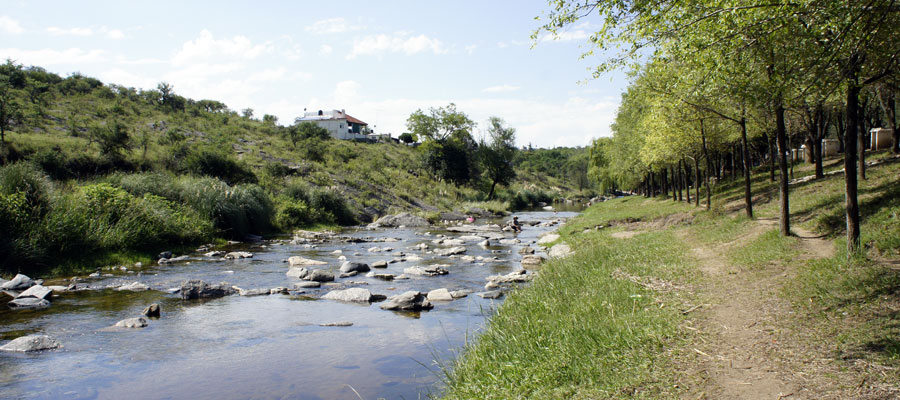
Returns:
(664,300)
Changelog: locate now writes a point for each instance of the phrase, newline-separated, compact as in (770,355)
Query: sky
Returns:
(379,61)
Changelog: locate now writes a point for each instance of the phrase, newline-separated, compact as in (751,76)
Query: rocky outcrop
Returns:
(402,219)
(353,295)
(31,343)
(198,289)
(408,301)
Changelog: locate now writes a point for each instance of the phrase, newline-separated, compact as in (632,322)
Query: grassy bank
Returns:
(591,326)
(585,329)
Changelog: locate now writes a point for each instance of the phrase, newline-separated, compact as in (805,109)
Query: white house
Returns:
(339,124)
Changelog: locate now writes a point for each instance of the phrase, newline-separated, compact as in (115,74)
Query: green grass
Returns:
(767,248)
(578,331)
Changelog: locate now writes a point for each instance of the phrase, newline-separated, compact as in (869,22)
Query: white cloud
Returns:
(325,50)
(578,32)
(9,25)
(44,57)
(205,48)
(471,48)
(500,89)
(395,43)
(57,31)
(114,34)
(332,25)
(346,92)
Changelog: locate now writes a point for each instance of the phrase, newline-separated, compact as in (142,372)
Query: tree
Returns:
(270,119)
(448,147)
(307,130)
(497,153)
(247,113)
(407,138)
(11,79)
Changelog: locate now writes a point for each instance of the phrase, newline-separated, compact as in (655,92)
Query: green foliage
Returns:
(217,164)
(407,138)
(303,131)
(25,178)
(497,154)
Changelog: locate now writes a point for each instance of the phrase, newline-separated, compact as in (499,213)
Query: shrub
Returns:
(236,211)
(29,180)
(332,206)
(219,165)
(292,213)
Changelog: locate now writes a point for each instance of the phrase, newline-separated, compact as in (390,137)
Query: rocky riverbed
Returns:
(311,316)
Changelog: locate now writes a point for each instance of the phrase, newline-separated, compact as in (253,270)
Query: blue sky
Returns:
(379,61)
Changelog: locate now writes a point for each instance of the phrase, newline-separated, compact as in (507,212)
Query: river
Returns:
(264,347)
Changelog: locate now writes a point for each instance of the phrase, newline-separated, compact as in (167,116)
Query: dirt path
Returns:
(748,355)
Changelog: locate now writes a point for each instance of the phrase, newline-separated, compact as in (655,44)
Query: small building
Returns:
(830,147)
(881,138)
(339,124)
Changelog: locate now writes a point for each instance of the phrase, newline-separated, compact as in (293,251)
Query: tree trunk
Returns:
(780,139)
(708,165)
(771,152)
(680,181)
(748,198)
(665,184)
(861,135)
(687,181)
(697,182)
(850,178)
(674,184)
(491,194)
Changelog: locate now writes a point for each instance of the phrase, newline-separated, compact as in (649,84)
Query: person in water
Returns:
(514,224)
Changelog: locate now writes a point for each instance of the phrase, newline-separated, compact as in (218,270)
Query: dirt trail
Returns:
(745,356)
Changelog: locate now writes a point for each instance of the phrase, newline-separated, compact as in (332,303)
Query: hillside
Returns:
(90,146)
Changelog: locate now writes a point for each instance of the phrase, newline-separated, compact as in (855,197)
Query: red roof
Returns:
(354,120)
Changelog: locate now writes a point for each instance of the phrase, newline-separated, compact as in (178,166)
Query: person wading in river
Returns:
(514,224)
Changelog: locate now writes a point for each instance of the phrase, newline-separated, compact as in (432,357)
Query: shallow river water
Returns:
(264,347)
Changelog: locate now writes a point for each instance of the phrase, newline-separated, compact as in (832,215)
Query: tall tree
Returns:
(496,153)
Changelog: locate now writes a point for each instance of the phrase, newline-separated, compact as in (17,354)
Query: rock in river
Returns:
(31,343)
(356,295)
(297,261)
(432,270)
(298,273)
(560,250)
(532,260)
(441,294)
(36,291)
(151,311)
(402,219)
(409,301)
(19,282)
(319,276)
(28,302)
(138,322)
(380,264)
(549,238)
(493,294)
(238,254)
(198,289)
(134,287)
(348,266)
(451,251)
